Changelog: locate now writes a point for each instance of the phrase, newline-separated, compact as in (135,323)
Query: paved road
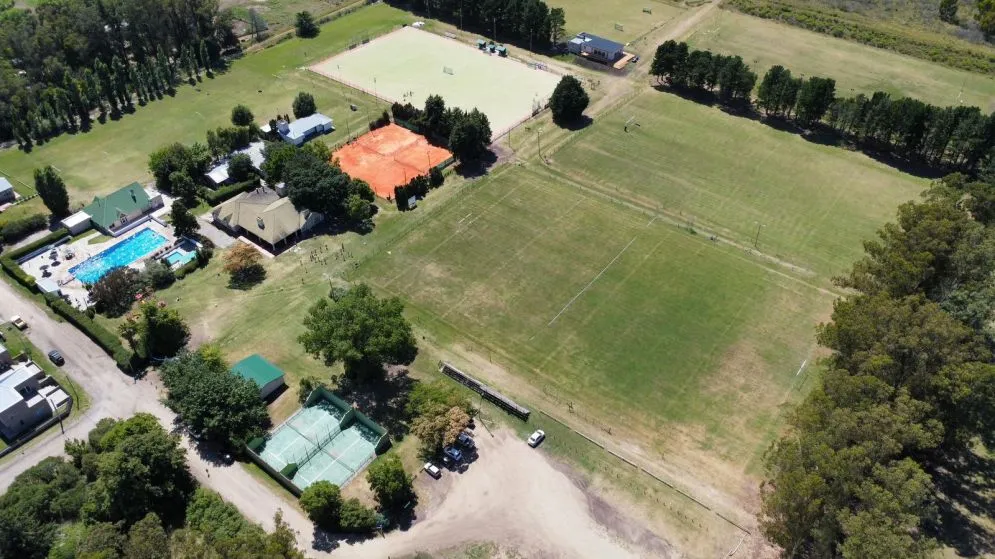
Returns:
(114,394)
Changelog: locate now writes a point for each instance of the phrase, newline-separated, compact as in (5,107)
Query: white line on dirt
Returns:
(586,287)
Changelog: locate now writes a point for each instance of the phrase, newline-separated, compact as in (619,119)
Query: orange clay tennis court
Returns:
(388,157)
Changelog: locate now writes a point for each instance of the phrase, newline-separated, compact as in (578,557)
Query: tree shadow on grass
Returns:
(478,168)
(247,278)
(578,124)
(965,500)
(383,401)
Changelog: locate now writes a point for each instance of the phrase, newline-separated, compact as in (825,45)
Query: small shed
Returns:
(260,371)
(77,223)
(481,44)
(502,50)
(46,286)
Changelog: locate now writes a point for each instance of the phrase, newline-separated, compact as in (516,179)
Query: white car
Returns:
(536,438)
(18,322)
(432,470)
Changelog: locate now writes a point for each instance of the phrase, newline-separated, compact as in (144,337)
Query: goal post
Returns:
(448,70)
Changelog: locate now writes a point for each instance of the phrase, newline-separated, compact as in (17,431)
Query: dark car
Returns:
(56,357)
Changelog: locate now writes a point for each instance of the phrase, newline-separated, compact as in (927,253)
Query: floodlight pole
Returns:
(756,239)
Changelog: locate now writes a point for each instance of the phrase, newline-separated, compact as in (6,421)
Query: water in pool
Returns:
(124,253)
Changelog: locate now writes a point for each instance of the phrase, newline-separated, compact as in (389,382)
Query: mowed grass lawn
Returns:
(856,68)
(599,17)
(672,340)
(116,153)
(815,203)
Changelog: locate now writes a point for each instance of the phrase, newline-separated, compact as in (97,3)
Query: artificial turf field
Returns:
(407,66)
(856,68)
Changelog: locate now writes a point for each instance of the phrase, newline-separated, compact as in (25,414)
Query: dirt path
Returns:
(515,496)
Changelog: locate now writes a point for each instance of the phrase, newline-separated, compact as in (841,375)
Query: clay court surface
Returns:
(407,66)
(388,157)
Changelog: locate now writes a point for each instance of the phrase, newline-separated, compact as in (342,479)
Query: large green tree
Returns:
(568,100)
(114,293)
(322,501)
(361,330)
(305,26)
(211,400)
(304,105)
(52,190)
(470,136)
(147,539)
(184,222)
(391,485)
(160,331)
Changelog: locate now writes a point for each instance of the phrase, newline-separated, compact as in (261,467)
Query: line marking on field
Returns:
(586,287)
(802,367)
(464,218)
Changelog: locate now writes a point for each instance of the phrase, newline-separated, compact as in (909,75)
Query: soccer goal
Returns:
(448,70)
(619,27)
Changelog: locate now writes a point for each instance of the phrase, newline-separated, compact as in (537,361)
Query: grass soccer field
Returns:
(815,203)
(671,339)
(599,17)
(407,66)
(856,68)
(116,153)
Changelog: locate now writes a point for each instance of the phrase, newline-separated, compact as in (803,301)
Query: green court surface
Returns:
(408,65)
(313,439)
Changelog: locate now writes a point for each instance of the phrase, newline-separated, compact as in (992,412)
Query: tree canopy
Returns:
(305,26)
(529,23)
(315,184)
(361,330)
(114,293)
(224,407)
(908,389)
(304,105)
(52,190)
(184,222)
(156,330)
(241,115)
(568,101)
(243,264)
(391,485)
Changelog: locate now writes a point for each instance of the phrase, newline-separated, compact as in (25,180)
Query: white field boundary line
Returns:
(805,362)
(588,286)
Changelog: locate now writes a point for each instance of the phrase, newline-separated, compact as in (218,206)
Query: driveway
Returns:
(217,236)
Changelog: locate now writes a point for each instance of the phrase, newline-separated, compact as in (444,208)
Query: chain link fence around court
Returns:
(326,440)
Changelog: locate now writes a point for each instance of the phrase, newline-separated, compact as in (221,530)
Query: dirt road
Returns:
(514,496)
(114,394)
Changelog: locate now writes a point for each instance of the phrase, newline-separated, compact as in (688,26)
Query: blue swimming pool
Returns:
(182,254)
(124,253)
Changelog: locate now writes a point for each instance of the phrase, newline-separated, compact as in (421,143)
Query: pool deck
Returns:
(58,270)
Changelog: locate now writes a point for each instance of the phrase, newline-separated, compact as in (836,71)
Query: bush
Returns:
(185,269)
(158,275)
(289,470)
(52,237)
(15,230)
(240,167)
(126,360)
(215,197)
(384,120)
(435,178)
(356,518)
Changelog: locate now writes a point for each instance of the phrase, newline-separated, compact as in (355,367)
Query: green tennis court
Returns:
(409,64)
(326,440)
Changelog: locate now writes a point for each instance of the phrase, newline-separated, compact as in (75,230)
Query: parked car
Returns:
(466,440)
(453,454)
(536,438)
(432,470)
(56,357)
(18,322)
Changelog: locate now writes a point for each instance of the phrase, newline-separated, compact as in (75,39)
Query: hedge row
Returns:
(126,359)
(946,52)
(215,197)
(9,260)
(15,230)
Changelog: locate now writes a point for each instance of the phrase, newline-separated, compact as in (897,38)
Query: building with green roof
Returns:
(266,375)
(121,207)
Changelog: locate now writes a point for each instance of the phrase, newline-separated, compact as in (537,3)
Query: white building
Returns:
(300,130)
(6,191)
(218,175)
(26,399)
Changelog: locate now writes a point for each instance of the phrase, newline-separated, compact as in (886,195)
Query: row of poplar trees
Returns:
(65,61)
(959,137)
(529,23)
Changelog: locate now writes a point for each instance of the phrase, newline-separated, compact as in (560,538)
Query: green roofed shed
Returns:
(260,371)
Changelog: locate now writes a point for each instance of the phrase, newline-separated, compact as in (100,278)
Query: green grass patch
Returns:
(599,17)
(116,153)
(815,203)
(857,68)
(637,324)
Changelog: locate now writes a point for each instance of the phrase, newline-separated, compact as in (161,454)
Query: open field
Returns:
(116,153)
(816,203)
(856,68)
(599,17)
(704,344)
(407,66)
